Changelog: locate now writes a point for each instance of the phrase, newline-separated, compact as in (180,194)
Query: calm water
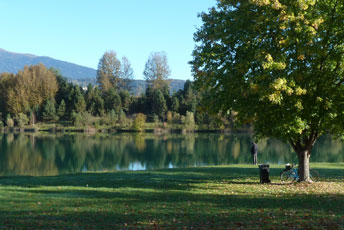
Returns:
(23,154)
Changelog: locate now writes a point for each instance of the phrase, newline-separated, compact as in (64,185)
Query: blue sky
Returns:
(80,31)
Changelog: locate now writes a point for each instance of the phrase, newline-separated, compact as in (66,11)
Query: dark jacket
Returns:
(254,148)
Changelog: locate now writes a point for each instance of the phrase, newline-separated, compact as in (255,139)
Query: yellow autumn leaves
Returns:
(271,64)
(303,21)
(275,4)
(279,88)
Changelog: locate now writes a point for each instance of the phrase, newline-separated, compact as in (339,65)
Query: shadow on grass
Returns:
(175,210)
(162,199)
(180,179)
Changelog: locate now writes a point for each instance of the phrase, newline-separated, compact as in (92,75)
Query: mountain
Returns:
(13,62)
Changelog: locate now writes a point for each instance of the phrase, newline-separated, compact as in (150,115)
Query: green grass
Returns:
(227,197)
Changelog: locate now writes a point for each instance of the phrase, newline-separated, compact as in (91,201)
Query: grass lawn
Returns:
(227,197)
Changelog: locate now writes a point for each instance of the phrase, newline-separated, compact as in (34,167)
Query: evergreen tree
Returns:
(112,100)
(175,104)
(49,111)
(94,101)
(79,104)
(125,100)
(159,106)
(61,111)
(66,93)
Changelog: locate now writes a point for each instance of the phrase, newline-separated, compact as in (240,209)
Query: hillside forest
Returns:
(38,95)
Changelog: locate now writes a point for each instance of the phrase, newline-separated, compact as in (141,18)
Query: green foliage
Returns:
(176,118)
(175,104)
(189,98)
(21,120)
(189,121)
(112,101)
(122,117)
(112,117)
(81,119)
(9,121)
(6,82)
(79,104)
(66,93)
(49,111)
(125,100)
(139,122)
(159,106)
(61,111)
(68,97)
(94,101)
(169,117)
(277,65)
(186,99)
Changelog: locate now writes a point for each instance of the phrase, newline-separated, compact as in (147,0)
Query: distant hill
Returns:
(13,62)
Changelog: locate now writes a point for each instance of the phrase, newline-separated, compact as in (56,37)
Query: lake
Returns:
(48,154)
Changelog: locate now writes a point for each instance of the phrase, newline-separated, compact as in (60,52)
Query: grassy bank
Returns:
(227,197)
(149,127)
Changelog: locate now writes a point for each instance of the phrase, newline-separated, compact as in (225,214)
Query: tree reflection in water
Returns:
(37,154)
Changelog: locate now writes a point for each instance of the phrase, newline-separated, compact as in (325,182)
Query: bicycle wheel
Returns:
(288,176)
(314,175)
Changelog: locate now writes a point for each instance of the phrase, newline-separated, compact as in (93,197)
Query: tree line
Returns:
(38,94)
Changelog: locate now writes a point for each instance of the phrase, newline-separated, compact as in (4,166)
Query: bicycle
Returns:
(290,174)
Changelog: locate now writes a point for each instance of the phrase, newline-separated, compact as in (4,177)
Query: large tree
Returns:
(127,74)
(278,64)
(157,70)
(30,88)
(109,71)
(112,73)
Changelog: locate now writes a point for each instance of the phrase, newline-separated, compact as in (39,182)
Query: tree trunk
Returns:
(303,172)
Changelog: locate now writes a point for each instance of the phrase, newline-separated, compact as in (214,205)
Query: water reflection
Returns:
(22,154)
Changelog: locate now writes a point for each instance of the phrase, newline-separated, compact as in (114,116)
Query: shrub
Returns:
(139,122)
(9,121)
(189,120)
(21,120)
(112,117)
(176,118)
(169,117)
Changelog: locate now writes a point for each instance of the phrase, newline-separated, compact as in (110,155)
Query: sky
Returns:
(80,31)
